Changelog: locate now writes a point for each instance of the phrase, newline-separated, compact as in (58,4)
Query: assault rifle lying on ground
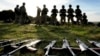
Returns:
(85,48)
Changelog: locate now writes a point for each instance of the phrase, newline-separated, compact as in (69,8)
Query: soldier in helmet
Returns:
(84,19)
(78,13)
(70,14)
(44,14)
(63,14)
(53,15)
(17,14)
(23,14)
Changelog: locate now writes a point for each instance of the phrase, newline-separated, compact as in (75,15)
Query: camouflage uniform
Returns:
(53,15)
(44,14)
(70,14)
(17,14)
(84,19)
(23,14)
(38,19)
(78,15)
(63,14)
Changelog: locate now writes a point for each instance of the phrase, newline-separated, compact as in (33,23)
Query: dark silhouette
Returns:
(63,14)
(38,18)
(44,14)
(23,17)
(17,14)
(84,19)
(70,14)
(53,15)
(78,13)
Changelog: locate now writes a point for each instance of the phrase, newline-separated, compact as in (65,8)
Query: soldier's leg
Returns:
(55,20)
(68,20)
(72,20)
(52,21)
(61,20)
(16,19)
(77,20)
(80,20)
(39,20)
(64,19)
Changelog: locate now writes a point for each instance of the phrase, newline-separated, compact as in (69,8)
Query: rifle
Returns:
(84,47)
(48,47)
(97,44)
(28,45)
(66,45)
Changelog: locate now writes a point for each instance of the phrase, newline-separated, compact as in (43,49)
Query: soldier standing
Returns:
(44,14)
(53,15)
(23,14)
(84,20)
(78,13)
(17,14)
(70,14)
(63,14)
(38,19)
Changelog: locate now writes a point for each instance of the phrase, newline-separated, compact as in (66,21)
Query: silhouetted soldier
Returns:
(63,14)
(70,14)
(78,13)
(53,15)
(44,14)
(38,18)
(84,20)
(23,14)
(17,14)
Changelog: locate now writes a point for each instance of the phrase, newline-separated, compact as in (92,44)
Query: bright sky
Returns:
(91,7)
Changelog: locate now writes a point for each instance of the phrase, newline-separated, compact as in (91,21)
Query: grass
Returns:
(47,33)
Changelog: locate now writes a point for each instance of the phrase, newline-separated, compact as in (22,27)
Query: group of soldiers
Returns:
(42,17)
(21,14)
(80,19)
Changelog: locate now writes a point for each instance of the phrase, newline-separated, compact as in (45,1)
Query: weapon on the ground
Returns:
(48,47)
(84,47)
(66,45)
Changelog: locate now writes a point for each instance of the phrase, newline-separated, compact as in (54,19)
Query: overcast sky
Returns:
(90,7)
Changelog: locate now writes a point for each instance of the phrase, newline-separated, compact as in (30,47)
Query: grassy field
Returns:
(47,33)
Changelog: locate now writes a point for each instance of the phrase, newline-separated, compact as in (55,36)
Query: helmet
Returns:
(63,6)
(78,6)
(23,3)
(70,5)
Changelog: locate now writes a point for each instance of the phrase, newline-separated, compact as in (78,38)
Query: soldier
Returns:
(84,20)
(38,20)
(63,14)
(23,14)
(17,14)
(78,15)
(44,14)
(53,15)
(70,14)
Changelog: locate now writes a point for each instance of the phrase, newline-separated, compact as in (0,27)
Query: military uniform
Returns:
(78,15)
(17,14)
(53,15)
(38,18)
(44,15)
(63,15)
(70,15)
(23,17)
